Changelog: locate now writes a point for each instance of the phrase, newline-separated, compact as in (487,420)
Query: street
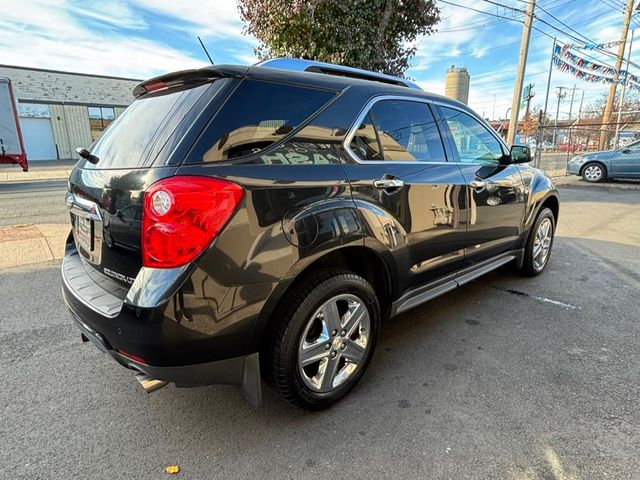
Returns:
(33,202)
(506,377)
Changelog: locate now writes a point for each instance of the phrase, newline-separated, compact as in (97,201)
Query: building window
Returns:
(99,119)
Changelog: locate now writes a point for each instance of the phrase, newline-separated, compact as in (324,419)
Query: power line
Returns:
(480,11)
(584,37)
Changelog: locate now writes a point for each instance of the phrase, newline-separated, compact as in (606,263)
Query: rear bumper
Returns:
(151,340)
(243,370)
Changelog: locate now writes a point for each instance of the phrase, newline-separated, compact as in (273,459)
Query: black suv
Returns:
(240,223)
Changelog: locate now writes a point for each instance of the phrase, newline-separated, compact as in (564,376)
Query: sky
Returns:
(144,38)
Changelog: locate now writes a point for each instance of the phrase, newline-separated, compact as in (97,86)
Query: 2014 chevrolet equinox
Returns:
(238,223)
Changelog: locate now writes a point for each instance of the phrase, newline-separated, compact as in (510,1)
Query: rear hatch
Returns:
(105,197)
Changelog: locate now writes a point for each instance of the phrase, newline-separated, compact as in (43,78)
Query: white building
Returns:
(60,111)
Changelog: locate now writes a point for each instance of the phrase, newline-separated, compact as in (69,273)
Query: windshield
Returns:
(129,141)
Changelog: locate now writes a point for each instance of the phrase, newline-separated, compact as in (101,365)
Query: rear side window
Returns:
(257,115)
(404,131)
(130,139)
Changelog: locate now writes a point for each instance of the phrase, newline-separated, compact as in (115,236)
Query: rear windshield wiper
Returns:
(84,153)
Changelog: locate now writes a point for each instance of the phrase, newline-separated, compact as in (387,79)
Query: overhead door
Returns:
(38,138)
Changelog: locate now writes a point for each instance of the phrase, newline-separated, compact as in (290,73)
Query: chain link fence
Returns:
(555,145)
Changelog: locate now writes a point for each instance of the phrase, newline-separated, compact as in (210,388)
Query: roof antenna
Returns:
(205,50)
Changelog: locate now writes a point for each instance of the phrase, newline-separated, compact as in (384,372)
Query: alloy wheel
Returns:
(334,343)
(542,244)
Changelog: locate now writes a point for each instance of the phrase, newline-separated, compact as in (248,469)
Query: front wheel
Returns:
(324,339)
(539,243)
(594,172)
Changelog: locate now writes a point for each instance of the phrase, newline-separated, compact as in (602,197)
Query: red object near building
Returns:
(11,144)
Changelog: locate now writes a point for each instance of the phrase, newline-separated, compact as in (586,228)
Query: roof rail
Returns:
(301,65)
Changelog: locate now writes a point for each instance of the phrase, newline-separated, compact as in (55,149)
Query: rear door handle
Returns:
(388,183)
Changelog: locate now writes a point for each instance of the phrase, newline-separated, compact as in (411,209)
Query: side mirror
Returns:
(626,150)
(520,154)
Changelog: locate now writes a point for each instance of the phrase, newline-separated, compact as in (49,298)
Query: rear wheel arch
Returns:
(360,260)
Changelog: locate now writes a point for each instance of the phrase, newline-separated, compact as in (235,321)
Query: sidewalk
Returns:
(44,170)
(25,244)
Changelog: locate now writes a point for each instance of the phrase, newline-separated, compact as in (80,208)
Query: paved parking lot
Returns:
(504,378)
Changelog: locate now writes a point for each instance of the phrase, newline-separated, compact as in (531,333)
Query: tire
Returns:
(312,364)
(594,172)
(534,265)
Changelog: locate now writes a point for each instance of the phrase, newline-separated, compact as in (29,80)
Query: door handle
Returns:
(477,183)
(388,183)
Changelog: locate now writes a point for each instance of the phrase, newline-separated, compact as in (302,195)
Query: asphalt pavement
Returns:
(503,378)
(33,202)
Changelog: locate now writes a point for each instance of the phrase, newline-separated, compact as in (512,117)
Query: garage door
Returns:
(38,138)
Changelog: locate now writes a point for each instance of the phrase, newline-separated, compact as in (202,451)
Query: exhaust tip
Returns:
(150,384)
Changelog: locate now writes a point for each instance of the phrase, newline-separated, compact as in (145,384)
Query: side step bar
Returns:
(441,286)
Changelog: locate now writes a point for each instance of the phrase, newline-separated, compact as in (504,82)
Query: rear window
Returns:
(136,134)
(257,115)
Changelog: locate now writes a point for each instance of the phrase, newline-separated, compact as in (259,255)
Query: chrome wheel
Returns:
(542,244)
(593,173)
(334,343)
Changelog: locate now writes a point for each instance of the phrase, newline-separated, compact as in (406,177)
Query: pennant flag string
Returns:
(590,71)
(594,46)
(630,80)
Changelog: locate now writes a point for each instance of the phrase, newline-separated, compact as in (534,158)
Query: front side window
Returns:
(473,141)
(255,116)
(99,119)
(633,146)
(399,130)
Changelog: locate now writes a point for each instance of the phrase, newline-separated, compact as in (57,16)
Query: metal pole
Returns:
(493,116)
(624,87)
(560,97)
(580,109)
(573,94)
(546,98)
(522,65)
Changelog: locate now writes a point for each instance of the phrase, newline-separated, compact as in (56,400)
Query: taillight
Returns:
(182,215)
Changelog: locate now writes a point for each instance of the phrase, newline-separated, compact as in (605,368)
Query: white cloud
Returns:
(61,34)
(116,13)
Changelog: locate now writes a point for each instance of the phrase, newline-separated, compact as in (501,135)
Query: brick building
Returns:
(59,111)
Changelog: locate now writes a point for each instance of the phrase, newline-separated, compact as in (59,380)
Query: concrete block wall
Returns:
(68,95)
(48,86)
(70,124)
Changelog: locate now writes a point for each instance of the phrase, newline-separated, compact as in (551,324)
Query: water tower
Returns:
(457,84)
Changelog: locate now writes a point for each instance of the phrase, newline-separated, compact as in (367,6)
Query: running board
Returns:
(432,290)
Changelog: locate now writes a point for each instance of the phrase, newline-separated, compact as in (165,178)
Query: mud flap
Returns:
(251,381)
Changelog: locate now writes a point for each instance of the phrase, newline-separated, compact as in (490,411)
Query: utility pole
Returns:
(528,95)
(522,65)
(628,11)
(561,94)
(624,87)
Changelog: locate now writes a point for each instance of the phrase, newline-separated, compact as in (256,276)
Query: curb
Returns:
(27,244)
(12,177)
(577,182)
